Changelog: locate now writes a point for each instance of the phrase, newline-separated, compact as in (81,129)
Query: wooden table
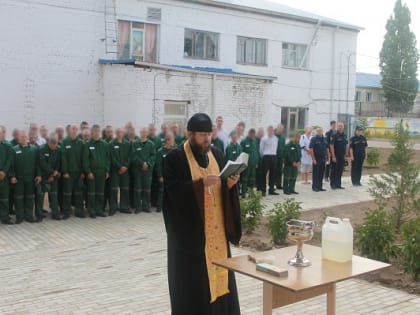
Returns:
(302,282)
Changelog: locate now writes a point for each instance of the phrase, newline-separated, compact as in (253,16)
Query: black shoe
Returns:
(287,193)
(125,211)
(322,189)
(80,215)
(66,216)
(295,193)
(147,210)
(111,213)
(30,220)
(137,211)
(341,187)
(19,220)
(7,222)
(39,219)
(315,190)
(102,215)
(273,193)
(158,209)
(92,216)
(263,194)
(56,217)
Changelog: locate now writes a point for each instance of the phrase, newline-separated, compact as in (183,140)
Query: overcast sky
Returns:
(370,14)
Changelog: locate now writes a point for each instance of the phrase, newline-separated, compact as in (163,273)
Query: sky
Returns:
(372,15)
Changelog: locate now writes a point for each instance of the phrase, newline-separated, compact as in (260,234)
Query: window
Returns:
(294,55)
(176,112)
(201,45)
(251,51)
(138,41)
(358,96)
(368,97)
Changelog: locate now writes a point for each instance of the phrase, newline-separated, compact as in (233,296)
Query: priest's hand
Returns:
(211,180)
(232,181)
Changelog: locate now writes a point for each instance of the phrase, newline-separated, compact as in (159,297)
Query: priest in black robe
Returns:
(195,286)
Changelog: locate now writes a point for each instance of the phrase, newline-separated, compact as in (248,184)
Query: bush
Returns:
(410,248)
(373,156)
(279,215)
(375,236)
(251,211)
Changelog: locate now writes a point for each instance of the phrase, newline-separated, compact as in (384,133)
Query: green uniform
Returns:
(160,141)
(233,150)
(25,170)
(6,165)
(281,145)
(131,176)
(259,172)
(155,182)
(120,153)
(217,143)
(49,162)
(142,152)
(292,153)
(250,147)
(160,158)
(96,160)
(71,163)
(179,140)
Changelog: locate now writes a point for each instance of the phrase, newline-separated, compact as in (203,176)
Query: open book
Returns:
(235,167)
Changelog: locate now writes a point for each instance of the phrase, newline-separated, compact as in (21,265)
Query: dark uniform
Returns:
(96,160)
(292,153)
(233,150)
(6,167)
(142,152)
(49,162)
(319,147)
(248,176)
(120,153)
(71,163)
(280,159)
(339,142)
(328,136)
(217,143)
(358,144)
(160,166)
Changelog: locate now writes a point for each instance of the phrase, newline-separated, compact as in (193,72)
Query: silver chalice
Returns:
(300,231)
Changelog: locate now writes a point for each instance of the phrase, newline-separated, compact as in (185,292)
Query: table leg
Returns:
(331,297)
(267,299)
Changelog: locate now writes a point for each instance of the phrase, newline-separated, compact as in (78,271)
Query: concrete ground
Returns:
(118,266)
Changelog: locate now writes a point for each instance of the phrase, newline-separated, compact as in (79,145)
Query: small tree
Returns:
(281,213)
(410,249)
(400,182)
(251,211)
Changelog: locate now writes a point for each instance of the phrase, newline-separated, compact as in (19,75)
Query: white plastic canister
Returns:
(337,239)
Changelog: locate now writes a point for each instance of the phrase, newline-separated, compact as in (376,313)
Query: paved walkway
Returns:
(118,266)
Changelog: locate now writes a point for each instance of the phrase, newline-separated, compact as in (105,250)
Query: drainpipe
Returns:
(213,97)
(333,74)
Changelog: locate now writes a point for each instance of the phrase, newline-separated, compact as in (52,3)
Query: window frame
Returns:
(194,33)
(305,66)
(141,30)
(255,41)
(368,97)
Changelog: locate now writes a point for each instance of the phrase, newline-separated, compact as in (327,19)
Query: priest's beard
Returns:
(200,148)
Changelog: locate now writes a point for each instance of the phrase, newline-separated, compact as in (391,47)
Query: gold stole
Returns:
(214,225)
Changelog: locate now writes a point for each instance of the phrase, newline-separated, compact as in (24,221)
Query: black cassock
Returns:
(183,210)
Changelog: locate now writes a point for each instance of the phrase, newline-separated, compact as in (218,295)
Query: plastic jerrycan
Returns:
(337,239)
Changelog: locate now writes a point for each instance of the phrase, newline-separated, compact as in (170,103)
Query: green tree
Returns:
(398,61)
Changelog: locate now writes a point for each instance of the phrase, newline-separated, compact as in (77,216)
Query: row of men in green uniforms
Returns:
(75,173)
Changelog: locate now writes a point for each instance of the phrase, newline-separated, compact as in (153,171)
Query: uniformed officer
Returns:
(328,135)
(249,146)
(292,156)
(357,150)
(160,160)
(120,151)
(216,141)
(338,150)
(25,177)
(320,155)
(96,166)
(6,168)
(72,173)
(142,162)
(280,155)
(233,149)
(49,159)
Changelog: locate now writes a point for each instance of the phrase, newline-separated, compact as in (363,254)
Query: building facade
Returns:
(111,61)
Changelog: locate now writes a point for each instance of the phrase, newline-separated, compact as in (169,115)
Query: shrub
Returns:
(373,156)
(375,236)
(279,215)
(251,211)
(410,248)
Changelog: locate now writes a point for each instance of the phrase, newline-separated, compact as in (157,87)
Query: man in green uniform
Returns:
(292,156)
(96,165)
(155,182)
(108,136)
(259,172)
(72,172)
(280,155)
(216,141)
(160,160)
(25,177)
(142,162)
(179,137)
(234,148)
(249,146)
(161,137)
(131,137)
(49,159)
(6,164)
(120,152)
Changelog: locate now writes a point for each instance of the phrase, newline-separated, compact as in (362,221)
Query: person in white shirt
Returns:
(268,152)
(306,160)
(221,133)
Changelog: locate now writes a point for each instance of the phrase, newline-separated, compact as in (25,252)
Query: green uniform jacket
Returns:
(281,146)
(6,158)
(249,146)
(143,152)
(179,140)
(26,162)
(96,158)
(120,154)
(126,138)
(71,155)
(156,141)
(217,143)
(233,151)
(160,141)
(292,153)
(160,158)
(49,160)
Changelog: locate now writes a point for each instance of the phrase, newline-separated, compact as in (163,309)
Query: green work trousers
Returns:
(4,199)
(290,175)
(96,191)
(52,190)
(73,187)
(24,198)
(279,171)
(119,183)
(248,179)
(142,187)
